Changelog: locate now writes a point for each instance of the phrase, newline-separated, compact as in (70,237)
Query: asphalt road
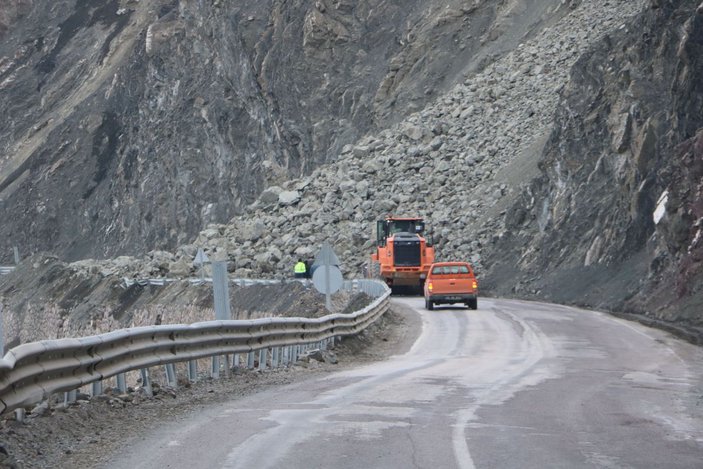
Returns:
(514,384)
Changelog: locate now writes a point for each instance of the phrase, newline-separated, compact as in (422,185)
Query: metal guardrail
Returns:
(369,289)
(4,270)
(33,372)
(242,282)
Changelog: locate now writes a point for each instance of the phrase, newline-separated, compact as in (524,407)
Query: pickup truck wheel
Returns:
(472,304)
(429,305)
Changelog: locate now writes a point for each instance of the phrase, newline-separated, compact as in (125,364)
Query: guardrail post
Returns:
(274,356)
(250,360)
(146,382)
(17,255)
(235,360)
(228,371)
(69,397)
(171,375)
(20,414)
(262,359)
(96,388)
(215,370)
(192,371)
(122,383)
(323,344)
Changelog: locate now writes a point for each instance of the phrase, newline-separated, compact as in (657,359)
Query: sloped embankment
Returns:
(48,299)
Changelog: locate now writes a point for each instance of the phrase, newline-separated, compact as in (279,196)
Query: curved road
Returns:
(514,384)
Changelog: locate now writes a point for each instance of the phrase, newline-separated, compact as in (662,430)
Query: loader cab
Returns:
(392,226)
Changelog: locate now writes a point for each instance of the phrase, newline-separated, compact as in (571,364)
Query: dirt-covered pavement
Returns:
(91,433)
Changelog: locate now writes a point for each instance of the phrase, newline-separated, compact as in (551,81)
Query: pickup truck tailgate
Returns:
(448,284)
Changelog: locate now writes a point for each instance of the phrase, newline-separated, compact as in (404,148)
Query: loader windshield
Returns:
(407,226)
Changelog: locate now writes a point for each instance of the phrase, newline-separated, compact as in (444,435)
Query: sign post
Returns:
(221,290)
(200,259)
(2,335)
(220,286)
(327,278)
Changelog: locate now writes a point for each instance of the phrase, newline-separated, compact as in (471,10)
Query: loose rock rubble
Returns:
(457,163)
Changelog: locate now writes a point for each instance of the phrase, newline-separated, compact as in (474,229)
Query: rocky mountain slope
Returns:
(132,124)
(626,139)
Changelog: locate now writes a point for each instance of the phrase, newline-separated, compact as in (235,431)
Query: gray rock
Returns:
(287,198)
(326,356)
(270,195)
(413,132)
(41,410)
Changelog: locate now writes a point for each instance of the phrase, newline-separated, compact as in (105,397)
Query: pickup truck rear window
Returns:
(450,270)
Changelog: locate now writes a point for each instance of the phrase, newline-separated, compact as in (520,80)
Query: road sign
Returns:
(201,258)
(322,284)
(326,256)
(326,276)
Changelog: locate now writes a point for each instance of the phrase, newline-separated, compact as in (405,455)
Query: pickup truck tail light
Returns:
(475,285)
(429,286)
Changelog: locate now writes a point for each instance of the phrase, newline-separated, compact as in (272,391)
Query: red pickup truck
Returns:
(450,283)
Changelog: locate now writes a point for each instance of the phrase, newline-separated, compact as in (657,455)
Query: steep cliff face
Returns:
(129,125)
(626,140)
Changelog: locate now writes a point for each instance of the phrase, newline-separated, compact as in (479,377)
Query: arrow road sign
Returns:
(326,256)
(201,258)
(326,276)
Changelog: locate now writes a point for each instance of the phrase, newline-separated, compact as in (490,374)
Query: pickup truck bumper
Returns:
(453,298)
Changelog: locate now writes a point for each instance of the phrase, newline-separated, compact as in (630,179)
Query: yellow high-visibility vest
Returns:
(300,268)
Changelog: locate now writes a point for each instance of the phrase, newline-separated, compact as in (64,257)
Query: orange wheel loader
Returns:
(403,256)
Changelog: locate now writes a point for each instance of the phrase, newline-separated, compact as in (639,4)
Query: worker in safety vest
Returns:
(300,269)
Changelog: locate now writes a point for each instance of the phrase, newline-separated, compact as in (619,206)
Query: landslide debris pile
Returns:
(459,163)
(131,124)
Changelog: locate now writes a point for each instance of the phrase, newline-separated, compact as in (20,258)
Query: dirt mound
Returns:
(293,299)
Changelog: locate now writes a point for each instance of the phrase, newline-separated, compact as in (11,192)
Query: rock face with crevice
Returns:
(626,139)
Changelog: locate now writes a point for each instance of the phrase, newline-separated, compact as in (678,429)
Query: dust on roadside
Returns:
(89,434)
